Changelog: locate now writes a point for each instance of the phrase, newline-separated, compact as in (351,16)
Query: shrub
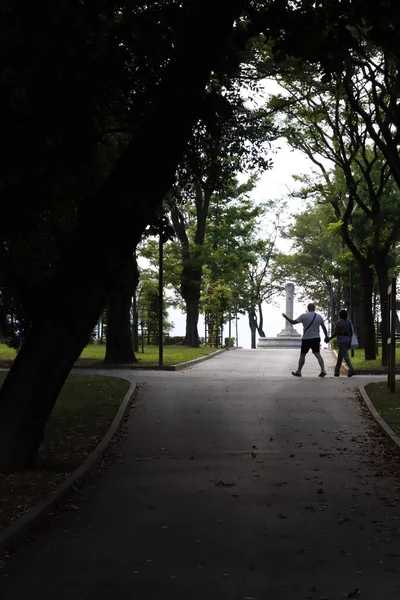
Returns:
(174,340)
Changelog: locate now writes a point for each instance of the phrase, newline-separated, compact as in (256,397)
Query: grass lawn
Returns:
(360,363)
(81,416)
(386,403)
(172,355)
(93,355)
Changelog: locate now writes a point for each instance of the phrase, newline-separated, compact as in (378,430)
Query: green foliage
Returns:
(217,300)
(174,340)
(216,303)
(147,307)
(317,117)
(229,342)
(317,253)
(233,241)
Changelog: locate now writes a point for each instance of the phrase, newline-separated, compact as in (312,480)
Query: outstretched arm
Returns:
(292,321)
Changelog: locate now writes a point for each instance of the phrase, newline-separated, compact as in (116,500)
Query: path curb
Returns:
(20,527)
(189,363)
(177,367)
(377,417)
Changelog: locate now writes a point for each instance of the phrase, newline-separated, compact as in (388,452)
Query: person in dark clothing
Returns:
(343,332)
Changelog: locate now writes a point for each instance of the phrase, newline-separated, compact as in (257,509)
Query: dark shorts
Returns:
(313,344)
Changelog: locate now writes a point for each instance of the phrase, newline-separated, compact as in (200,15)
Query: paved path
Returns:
(238,481)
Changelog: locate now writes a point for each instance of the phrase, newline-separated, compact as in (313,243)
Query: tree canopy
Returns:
(103,105)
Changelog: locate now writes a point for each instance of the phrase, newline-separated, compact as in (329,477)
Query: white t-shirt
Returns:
(313,330)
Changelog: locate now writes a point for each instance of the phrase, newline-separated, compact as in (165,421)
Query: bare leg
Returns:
(302,360)
(320,360)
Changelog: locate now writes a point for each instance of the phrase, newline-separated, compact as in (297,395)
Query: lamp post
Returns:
(160,295)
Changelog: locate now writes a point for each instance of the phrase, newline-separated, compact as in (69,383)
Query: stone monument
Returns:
(288,337)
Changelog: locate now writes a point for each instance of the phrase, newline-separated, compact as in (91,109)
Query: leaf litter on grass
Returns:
(83,413)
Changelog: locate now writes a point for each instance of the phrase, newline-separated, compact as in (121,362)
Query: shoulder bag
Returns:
(354,339)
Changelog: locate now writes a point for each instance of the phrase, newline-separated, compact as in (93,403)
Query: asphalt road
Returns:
(236,481)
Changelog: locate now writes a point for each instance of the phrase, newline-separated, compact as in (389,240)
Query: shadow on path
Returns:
(237,481)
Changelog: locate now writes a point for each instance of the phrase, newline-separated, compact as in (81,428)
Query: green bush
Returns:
(229,342)
(174,340)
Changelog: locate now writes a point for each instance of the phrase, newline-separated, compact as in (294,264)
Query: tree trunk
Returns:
(260,325)
(192,271)
(358,314)
(367,281)
(119,344)
(69,307)
(253,327)
(192,318)
(44,360)
(382,272)
(190,290)
(119,348)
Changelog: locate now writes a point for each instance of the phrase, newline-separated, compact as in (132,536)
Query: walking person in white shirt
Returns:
(310,340)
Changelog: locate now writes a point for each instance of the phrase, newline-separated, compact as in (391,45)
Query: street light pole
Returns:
(160,296)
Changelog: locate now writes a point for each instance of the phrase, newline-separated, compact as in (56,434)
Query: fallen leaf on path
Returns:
(353,594)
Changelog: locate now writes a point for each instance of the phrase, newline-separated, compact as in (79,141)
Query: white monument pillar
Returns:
(288,337)
(288,330)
